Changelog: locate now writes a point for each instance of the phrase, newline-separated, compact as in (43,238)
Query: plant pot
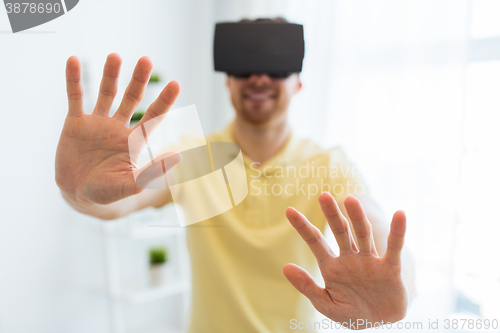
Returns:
(156,274)
(159,274)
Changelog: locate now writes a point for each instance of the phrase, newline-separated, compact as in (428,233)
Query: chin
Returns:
(258,116)
(256,120)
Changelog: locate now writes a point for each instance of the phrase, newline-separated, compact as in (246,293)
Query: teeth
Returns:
(258,96)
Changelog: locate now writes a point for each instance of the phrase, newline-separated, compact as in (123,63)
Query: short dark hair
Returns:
(277,19)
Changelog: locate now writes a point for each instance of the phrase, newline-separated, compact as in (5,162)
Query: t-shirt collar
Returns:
(281,158)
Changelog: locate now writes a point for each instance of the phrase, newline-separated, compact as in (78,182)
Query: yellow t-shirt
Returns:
(237,257)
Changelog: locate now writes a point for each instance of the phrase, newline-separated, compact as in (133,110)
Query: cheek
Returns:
(235,92)
(285,95)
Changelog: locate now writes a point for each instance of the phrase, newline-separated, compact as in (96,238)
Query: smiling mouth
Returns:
(259,97)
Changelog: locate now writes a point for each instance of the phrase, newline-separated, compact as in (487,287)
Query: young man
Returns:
(241,267)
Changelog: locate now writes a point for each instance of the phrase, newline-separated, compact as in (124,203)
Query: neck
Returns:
(261,142)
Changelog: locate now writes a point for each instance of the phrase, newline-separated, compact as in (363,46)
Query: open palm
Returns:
(93,164)
(361,288)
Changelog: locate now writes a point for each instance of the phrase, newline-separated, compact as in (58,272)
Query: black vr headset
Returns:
(243,48)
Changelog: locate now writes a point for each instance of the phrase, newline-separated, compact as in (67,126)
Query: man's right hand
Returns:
(93,164)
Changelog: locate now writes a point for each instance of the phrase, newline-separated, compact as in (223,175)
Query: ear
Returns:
(227,81)
(298,87)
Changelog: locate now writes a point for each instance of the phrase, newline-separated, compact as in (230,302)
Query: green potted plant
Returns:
(136,117)
(153,90)
(158,258)
(154,78)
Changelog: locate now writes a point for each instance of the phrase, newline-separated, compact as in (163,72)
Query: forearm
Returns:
(105,212)
(119,208)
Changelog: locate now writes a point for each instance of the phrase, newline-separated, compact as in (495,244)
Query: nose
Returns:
(259,79)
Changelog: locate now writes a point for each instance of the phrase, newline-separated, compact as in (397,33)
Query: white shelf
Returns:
(143,232)
(152,293)
(149,232)
(163,329)
(149,224)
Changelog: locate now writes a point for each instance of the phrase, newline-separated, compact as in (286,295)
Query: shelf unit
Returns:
(149,225)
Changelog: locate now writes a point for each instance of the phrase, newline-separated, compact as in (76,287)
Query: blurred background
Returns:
(409,88)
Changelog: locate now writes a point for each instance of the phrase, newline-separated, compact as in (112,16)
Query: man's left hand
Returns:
(360,286)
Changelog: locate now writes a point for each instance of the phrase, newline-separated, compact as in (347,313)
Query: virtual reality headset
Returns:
(243,48)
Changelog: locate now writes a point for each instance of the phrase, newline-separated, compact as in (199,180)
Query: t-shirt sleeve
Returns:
(344,176)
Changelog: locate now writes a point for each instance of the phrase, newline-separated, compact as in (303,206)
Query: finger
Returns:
(163,103)
(303,282)
(362,227)
(135,90)
(396,238)
(337,222)
(74,87)
(158,168)
(109,85)
(310,234)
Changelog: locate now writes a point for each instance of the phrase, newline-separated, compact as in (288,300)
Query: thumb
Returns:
(303,282)
(156,169)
